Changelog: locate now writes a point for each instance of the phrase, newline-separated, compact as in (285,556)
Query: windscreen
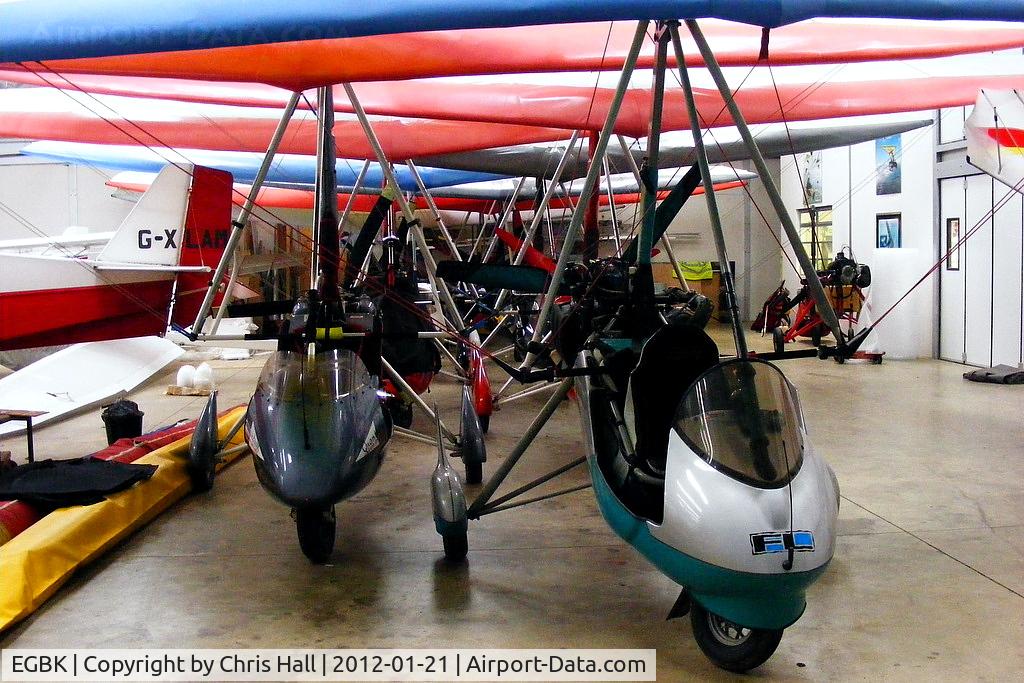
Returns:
(331,374)
(743,418)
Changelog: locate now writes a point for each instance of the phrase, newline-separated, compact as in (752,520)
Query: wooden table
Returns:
(7,415)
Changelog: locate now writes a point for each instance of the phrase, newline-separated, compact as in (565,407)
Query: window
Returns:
(816,234)
(743,418)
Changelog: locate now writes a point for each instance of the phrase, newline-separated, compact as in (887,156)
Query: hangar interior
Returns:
(900,512)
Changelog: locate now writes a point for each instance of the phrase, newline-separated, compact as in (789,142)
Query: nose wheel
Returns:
(316,527)
(729,645)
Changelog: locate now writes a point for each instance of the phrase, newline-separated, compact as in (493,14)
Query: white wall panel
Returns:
(44,199)
(1007,269)
(96,208)
(951,124)
(951,310)
(33,200)
(849,186)
(978,264)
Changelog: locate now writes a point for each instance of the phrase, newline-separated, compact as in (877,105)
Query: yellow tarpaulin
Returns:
(696,270)
(39,560)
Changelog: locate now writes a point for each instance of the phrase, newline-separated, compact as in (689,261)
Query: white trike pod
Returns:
(728,499)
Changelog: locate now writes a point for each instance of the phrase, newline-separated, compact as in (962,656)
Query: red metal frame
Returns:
(480,383)
(807,318)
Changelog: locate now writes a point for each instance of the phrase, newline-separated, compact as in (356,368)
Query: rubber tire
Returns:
(456,546)
(316,528)
(485,423)
(201,477)
(474,472)
(816,337)
(779,340)
(751,653)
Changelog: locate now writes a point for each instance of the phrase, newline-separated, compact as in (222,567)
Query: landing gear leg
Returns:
(472,447)
(779,339)
(449,502)
(202,451)
(316,527)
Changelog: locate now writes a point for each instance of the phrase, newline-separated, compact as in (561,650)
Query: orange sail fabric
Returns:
(585,108)
(561,106)
(505,114)
(570,47)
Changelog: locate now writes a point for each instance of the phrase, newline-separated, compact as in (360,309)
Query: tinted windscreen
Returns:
(331,374)
(742,417)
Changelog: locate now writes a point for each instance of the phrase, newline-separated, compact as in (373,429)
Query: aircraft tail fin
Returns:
(207,229)
(153,232)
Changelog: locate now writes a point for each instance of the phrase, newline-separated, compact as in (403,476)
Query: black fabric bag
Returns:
(54,484)
(1000,374)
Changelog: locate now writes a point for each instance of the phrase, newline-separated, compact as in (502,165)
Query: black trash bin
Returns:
(122,419)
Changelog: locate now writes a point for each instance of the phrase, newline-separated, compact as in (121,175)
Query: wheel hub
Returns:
(726,632)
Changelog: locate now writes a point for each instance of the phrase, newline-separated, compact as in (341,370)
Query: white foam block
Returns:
(906,331)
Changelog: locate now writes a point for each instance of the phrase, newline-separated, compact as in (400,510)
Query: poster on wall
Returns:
(888,152)
(810,170)
(953,243)
(888,227)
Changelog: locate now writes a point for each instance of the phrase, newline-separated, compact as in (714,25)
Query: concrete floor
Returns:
(927,581)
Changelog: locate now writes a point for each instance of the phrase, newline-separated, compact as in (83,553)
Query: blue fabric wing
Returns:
(287,168)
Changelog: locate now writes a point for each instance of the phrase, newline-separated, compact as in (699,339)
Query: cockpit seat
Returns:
(671,360)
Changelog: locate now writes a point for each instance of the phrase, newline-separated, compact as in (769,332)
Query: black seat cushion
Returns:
(671,360)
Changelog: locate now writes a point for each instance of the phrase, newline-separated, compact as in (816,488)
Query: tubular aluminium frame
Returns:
(709,193)
(828,315)
(593,173)
(243,216)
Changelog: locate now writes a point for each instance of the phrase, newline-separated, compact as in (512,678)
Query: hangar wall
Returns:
(981,303)
(45,196)
(849,176)
(52,196)
(752,243)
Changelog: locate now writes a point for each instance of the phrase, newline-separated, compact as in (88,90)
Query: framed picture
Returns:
(889,230)
(888,154)
(811,163)
(953,243)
